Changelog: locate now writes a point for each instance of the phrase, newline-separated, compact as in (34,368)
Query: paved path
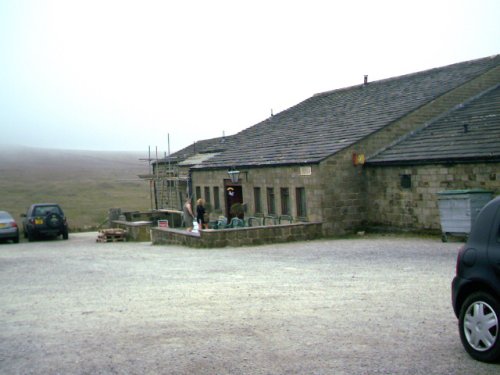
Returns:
(373,305)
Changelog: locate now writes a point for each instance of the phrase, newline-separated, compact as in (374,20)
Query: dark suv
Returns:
(476,286)
(44,219)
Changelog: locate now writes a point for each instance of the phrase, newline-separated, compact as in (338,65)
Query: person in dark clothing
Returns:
(200,214)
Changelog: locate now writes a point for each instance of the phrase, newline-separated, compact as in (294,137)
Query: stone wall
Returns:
(136,231)
(276,178)
(236,237)
(416,208)
(342,204)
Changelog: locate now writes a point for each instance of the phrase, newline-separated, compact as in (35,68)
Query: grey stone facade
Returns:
(416,207)
(276,178)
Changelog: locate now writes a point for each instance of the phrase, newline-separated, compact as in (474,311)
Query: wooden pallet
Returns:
(111,235)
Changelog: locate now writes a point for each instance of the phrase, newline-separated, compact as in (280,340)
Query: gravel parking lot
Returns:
(372,305)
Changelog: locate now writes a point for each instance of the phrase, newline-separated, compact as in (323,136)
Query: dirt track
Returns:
(364,306)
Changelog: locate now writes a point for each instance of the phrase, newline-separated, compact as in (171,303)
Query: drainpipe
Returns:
(155,194)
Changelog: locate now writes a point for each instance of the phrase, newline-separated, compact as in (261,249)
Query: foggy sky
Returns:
(122,75)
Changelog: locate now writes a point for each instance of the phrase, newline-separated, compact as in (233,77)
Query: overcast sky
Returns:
(122,75)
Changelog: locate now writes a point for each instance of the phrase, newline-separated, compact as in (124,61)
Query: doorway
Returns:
(234,195)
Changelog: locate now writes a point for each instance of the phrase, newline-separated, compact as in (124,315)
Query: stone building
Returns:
(455,151)
(370,154)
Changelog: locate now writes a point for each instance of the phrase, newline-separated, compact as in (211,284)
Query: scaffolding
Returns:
(167,186)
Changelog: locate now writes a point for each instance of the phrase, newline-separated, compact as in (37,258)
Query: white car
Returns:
(8,227)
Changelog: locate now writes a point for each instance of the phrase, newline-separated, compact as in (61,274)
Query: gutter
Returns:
(475,159)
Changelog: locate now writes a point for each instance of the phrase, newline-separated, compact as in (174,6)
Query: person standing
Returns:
(187,214)
(200,214)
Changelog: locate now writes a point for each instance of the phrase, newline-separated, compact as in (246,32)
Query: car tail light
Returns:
(13,224)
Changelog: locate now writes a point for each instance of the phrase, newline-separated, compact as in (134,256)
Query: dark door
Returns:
(234,196)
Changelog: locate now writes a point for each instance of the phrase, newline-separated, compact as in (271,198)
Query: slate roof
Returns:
(196,159)
(470,131)
(328,122)
(187,155)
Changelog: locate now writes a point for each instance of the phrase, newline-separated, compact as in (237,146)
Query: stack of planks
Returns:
(111,235)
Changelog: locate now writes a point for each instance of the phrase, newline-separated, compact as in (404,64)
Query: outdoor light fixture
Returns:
(234,175)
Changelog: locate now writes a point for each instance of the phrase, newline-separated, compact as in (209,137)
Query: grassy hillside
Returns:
(86,183)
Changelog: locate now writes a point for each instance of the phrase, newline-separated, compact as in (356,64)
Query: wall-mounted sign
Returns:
(305,171)
(358,159)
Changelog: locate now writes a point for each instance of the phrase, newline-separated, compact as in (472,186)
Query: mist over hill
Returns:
(56,159)
(86,183)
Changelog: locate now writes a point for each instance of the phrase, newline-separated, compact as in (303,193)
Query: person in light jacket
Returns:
(187,214)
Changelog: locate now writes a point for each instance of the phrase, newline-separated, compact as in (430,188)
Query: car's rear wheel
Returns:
(479,327)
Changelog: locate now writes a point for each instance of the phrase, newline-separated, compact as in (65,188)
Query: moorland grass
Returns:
(85,183)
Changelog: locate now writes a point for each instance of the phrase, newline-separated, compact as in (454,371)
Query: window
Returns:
(257,199)
(271,209)
(406,181)
(300,195)
(207,194)
(285,201)
(198,193)
(216,198)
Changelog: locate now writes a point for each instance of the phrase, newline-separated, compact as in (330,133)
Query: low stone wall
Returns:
(174,217)
(212,238)
(137,231)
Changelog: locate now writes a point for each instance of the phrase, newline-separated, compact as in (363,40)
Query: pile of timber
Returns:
(111,235)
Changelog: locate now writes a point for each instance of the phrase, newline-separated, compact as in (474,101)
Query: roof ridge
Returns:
(383,80)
